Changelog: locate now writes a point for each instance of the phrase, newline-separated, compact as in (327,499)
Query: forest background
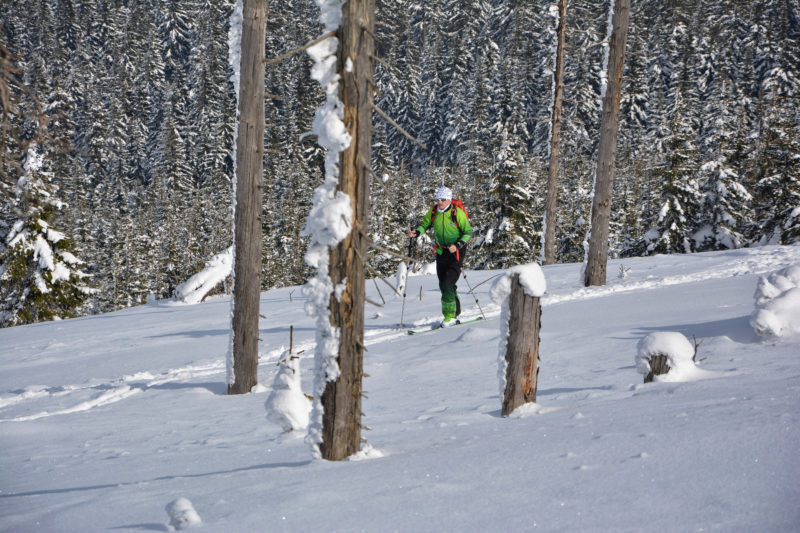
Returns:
(137,168)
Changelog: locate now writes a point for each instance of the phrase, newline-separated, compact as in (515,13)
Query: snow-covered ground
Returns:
(106,421)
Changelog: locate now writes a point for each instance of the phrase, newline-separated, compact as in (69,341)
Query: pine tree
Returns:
(39,273)
(724,209)
(778,185)
(511,237)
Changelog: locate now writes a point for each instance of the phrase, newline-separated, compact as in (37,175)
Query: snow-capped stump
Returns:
(662,352)
(286,405)
(182,514)
(519,293)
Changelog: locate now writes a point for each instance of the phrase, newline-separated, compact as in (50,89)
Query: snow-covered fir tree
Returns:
(40,278)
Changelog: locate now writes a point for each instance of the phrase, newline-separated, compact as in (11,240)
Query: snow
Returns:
(777,301)
(34,160)
(331,216)
(286,405)
(182,514)
(679,352)
(104,420)
(195,289)
(235,48)
(235,61)
(43,253)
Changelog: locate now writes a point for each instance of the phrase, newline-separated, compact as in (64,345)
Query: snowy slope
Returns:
(105,420)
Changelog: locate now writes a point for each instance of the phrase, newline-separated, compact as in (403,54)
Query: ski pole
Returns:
(464,273)
(411,242)
(412,253)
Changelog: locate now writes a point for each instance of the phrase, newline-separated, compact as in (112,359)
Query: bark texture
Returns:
(607,152)
(551,206)
(658,366)
(522,348)
(249,155)
(341,424)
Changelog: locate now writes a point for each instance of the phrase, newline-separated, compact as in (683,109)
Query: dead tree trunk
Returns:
(609,123)
(522,348)
(247,218)
(341,400)
(555,139)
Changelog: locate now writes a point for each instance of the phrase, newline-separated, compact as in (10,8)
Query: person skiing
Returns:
(451,231)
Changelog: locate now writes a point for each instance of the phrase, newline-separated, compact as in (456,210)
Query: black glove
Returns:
(461,245)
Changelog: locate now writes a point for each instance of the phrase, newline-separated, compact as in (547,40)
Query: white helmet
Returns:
(444,193)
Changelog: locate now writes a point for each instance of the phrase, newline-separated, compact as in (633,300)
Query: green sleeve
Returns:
(426,222)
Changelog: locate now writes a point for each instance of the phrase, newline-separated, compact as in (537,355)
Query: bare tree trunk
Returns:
(249,155)
(522,348)
(341,424)
(607,151)
(555,140)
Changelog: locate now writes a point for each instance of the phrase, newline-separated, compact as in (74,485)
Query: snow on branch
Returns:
(196,288)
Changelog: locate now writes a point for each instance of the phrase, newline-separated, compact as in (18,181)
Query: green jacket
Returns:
(445,231)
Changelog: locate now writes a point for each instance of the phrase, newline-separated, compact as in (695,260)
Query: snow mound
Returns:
(195,289)
(531,277)
(182,514)
(679,352)
(777,301)
(367,452)
(286,405)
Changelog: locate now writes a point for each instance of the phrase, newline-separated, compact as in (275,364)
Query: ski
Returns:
(434,327)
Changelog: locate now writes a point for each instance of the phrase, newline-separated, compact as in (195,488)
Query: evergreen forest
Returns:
(118,118)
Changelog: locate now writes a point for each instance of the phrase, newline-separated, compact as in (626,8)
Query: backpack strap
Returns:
(453,216)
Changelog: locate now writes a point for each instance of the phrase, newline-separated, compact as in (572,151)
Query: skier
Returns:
(451,231)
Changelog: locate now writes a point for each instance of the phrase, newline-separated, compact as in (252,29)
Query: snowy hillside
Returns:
(107,420)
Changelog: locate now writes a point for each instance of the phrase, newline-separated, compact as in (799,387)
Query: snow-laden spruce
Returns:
(531,277)
(777,301)
(330,219)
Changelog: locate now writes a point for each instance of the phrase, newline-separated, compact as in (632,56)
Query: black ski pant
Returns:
(448,270)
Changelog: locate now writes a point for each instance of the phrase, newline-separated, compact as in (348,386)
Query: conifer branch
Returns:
(388,119)
(298,50)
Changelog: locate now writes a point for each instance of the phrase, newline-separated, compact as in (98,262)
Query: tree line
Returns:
(140,109)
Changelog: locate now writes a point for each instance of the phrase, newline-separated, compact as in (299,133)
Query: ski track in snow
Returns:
(754,263)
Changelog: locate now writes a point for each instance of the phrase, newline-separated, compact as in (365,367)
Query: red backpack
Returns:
(454,204)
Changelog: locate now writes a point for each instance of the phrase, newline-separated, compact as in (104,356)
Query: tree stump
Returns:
(522,348)
(658,366)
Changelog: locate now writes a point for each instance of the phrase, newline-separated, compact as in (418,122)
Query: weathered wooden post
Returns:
(522,347)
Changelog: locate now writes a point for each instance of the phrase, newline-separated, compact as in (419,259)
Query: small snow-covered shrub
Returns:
(777,302)
(182,514)
(677,349)
(286,405)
